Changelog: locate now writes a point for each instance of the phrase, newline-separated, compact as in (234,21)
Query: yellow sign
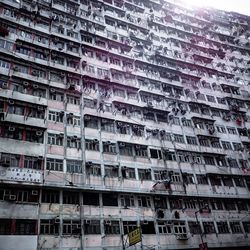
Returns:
(134,236)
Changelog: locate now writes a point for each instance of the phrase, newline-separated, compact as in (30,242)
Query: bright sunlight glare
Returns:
(240,6)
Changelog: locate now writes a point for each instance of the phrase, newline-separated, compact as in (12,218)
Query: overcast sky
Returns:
(240,6)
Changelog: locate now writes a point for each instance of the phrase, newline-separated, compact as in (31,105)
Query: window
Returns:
(141,151)
(246,225)
(233,163)
(209,227)
(189,203)
(90,121)
(54,164)
(92,227)
(226,145)
(215,180)
(93,169)
(5,226)
(73,142)
(73,120)
(239,182)
(125,149)
(175,203)
(73,100)
(230,204)
(71,227)
(235,227)
(55,139)
(202,179)
(111,227)
(123,128)
(50,196)
(232,131)
(179,138)
(221,129)
(216,204)
(180,229)
(221,100)
(92,145)
(176,177)
(108,125)
(215,143)
(215,112)
(74,166)
(186,123)
(55,96)
(56,116)
(129,226)
(110,199)
(237,146)
(111,171)
(91,199)
(164,227)
(50,227)
(176,121)
(209,160)
(194,228)
(155,153)
(9,159)
(144,174)
(204,142)
(71,198)
(227,181)
(191,140)
(127,200)
(144,201)
(210,98)
(128,173)
(147,227)
(109,147)
(222,227)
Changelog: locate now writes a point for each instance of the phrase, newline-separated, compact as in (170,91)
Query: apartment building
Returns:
(123,114)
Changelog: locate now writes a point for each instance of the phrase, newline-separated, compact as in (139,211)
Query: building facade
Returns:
(123,114)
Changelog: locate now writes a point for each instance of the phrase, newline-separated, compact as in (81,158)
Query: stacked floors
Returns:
(117,115)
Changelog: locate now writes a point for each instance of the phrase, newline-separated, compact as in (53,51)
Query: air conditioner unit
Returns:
(61,135)
(11,102)
(15,68)
(11,129)
(122,144)
(160,214)
(34,192)
(74,137)
(89,163)
(26,84)
(12,197)
(57,220)
(87,222)
(40,108)
(107,222)
(4,85)
(39,133)
(34,73)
